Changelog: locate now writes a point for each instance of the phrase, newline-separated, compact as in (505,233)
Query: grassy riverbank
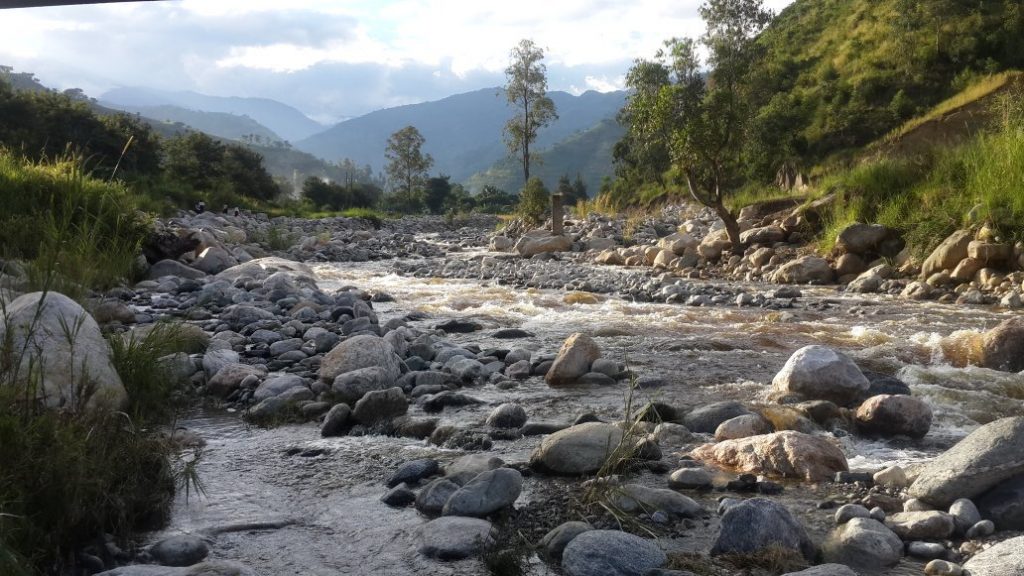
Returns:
(70,476)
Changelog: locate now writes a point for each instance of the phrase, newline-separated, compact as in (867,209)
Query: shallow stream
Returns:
(325,491)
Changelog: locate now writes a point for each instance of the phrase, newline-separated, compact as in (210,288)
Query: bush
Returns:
(534,200)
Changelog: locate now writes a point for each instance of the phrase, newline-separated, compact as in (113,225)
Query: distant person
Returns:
(237,213)
(225,209)
(200,207)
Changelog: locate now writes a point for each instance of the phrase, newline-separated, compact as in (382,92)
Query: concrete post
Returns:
(556,214)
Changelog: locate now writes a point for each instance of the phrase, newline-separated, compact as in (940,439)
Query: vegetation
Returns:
(334,196)
(534,201)
(407,164)
(526,90)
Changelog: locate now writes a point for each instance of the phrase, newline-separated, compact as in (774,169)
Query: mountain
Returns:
(463,132)
(587,153)
(281,119)
(841,73)
(222,124)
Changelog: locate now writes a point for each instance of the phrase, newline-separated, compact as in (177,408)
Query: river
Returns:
(327,490)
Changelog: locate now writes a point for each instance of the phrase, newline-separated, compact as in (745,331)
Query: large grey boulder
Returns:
(262,268)
(454,537)
(864,239)
(1002,348)
(183,550)
(707,419)
(175,269)
(922,525)
(485,494)
(351,386)
(948,254)
(554,542)
(825,570)
(276,385)
(611,553)
(759,523)
(890,415)
(805,270)
(863,543)
(214,259)
(574,359)
(986,457)
(1004,504)
(230,378)
(507,415)
(59,343)
(821,373)
(531,246)
(638,498)
(364,351)
(380,405)
(1003,559)
(208,568)
(581,449)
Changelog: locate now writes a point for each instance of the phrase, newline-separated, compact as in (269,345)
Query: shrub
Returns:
(534,200)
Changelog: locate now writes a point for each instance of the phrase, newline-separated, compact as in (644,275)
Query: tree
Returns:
(407,164)
(527,91)
(436,193)
(493,200)
(707,119)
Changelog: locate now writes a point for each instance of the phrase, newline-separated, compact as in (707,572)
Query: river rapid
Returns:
(286,501)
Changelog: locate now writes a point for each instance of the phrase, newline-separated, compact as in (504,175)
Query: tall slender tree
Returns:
(407,164)
(526,90)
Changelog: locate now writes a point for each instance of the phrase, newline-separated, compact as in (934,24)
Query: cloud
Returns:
(336,58)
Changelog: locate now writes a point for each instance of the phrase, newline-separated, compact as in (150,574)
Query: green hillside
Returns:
(587,153)
(838,74)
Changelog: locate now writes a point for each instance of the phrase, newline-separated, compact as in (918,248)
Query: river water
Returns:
(285,501)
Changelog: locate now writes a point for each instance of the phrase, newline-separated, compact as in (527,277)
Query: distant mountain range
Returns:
(463,132)
(281,119)
(220,124)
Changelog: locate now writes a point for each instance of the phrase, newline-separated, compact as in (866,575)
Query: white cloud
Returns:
(443,44)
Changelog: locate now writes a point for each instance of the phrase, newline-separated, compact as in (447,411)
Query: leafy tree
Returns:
(206,165)
(707,120)
(526,90)
(459,200)
(572,192)
(493,200)
(407,165)
(534,200)
(436,193)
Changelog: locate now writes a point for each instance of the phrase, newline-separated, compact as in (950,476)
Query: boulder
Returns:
(276,385)
(470,466)
(175,269)
(507,415)
(785,454)
(485,494)
(208,568)
(804,270)
(351,386)
(528,247)
(580,449)
(924,525)
(690,479)
(864,239)
(989,253)
(742,427)
(825,570)
(611,553)
(1004,504)
(337,421)
(413,471)
(435,495)
(759,523)
(707,419)
(678,243)
(639,498)
(380,405)
(1002,348)
(241,315)
(364,351)
(229,378)
(965,515)
(888,415)
(500,244)
(454,537)
(863,543)
(262,268)
(820,373)
(554,542)
(578,352)
(611,257)
(986,457)
(765,235)
(59,343)
(948,254)
(183,550)
(214,259)
(1003,559)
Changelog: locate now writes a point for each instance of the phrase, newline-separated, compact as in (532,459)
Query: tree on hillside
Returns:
(706,119)
(526,90)
(407,165)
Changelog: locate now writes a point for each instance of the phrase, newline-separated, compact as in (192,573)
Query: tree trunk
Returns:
(732,227)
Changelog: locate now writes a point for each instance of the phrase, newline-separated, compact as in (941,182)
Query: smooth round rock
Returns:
(611,553)
(454,537)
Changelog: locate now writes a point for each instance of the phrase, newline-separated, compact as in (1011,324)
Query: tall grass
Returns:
(76,231)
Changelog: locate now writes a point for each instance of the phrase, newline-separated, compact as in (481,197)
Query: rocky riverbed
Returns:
(430,406)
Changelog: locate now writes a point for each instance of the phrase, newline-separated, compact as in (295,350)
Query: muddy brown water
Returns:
(285,501)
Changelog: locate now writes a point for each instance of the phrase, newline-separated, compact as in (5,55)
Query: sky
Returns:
(334,59)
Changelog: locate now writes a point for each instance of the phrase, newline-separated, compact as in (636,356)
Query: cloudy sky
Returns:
(336,58)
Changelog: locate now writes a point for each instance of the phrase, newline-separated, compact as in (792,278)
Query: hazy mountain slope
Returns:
(463,132)
(224,125)
(281,119)
(587,153)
